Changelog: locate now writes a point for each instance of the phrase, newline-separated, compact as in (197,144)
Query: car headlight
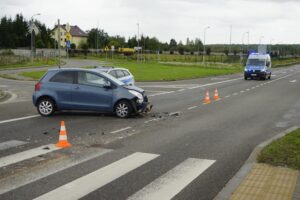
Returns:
(264,70)
(138,95)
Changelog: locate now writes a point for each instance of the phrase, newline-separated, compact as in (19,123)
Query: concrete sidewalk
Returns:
(265,182)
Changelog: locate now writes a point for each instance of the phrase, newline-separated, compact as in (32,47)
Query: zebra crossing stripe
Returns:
(24,155)
(10,144)
(90,182)
(171,183)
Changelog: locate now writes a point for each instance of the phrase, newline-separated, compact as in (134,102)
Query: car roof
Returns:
(259,56)
(75,69)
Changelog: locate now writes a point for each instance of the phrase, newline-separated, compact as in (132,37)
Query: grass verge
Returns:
(283,152)
(36,63)
(161,72)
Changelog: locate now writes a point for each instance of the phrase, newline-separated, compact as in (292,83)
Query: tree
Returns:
(97,38)
(173,45)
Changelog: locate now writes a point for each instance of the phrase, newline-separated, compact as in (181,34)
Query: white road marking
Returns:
(90,182)
(234,94)
(242,91)
(253,87)
(39,173)
(227,96)
(11,143)
(180,90)
(18,157)
(247,89)
(18,119)
(215,83)
(120,130)
(153,95)
(293,81)
(158,91)
(193,107)
(172,182)
(152,120)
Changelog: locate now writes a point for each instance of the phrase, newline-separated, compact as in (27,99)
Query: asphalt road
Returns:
(184,149)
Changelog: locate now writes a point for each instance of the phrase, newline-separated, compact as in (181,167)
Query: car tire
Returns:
(123,109)
(245,77)
(46,107)
(269,77)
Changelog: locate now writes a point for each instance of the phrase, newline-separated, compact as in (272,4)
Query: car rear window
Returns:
(126,73)
(113,73)
(120,73)
(63,77)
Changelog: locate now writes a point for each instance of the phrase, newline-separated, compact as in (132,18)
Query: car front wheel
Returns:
(123,109)
(46,107)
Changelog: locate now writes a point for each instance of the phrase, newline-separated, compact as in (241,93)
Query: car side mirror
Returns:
(107,85)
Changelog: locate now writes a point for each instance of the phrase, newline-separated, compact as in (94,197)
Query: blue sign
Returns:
(68,44)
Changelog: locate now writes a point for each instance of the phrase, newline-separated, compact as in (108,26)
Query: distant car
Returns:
(85,89)
(258,66)
(122,74)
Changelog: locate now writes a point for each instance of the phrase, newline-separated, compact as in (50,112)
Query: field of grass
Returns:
(283,152)
(162,72)
(7,62)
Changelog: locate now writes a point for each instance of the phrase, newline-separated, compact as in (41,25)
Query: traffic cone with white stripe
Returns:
(207,98)
(63,140)
(216,95)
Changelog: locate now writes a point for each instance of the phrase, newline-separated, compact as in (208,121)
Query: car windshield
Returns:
(110,77)
(256,62)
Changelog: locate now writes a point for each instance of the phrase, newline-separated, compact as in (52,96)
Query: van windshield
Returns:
(256,62)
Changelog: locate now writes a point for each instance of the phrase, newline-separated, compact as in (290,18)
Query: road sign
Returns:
(33,27)
(68,28)
(68,36)
(68,44)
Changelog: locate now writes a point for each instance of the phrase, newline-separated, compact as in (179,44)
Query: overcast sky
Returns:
(276,20)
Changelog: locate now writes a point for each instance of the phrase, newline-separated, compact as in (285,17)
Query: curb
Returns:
(235,181)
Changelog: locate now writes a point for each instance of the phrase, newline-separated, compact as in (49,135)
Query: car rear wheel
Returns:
(46,107)
(123,109)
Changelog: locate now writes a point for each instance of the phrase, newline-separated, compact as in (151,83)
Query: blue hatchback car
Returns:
(91,90)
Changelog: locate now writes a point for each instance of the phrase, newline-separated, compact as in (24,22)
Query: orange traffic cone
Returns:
(63,141)
(207,98)
(216,95)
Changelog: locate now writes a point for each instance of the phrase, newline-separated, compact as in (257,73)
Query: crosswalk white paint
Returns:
(171,183)
(11,143)
(90,182)
(18,119)
(18,157)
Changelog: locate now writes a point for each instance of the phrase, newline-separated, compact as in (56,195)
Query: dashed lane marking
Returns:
(18,119)
(120,130)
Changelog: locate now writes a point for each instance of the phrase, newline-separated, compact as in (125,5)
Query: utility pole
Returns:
(230,38)
(58,46)
(138,35)
(204,43)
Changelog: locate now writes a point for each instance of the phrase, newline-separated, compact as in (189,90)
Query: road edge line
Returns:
(236,180)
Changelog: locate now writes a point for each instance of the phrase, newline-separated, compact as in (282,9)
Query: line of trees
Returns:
(14,33)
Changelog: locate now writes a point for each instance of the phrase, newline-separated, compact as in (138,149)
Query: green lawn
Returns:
(283,152)
(29,64)
(161,72)
(35,75)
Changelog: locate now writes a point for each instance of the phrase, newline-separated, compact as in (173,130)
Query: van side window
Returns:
(63,77)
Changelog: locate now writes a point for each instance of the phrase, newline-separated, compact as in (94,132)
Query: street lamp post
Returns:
(204,34)
(31,20)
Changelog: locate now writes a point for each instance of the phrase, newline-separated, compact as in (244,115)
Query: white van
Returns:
(258,66)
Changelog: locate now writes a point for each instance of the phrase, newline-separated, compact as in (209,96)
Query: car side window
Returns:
(113,73)
(126,73)
(86,78)
(63,77)
(120,74)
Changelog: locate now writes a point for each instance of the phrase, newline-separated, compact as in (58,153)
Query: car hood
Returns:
(130,87)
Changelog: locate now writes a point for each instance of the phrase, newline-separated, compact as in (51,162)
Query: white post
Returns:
(204,43)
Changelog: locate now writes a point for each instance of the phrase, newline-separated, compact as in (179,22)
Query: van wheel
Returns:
(46,107)
(123,109)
